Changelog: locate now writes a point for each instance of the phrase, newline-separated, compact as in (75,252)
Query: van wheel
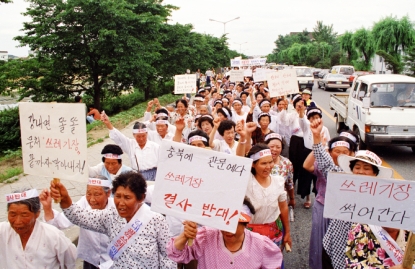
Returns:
(413,150)
(340,126)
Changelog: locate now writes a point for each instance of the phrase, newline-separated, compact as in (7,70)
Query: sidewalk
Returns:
(76,190)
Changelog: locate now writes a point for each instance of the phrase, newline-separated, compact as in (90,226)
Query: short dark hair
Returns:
(33,204)
(162,110)
(139,125)
(199,133)
(248,203)
(255,149)
(279,100)
(259,93)
(222,111)
(112,148)
(78,99)
(132,180)
(274,138)
(244,93)
(226,125)
(202,119)
(298,100)
(374,167)
(183,101)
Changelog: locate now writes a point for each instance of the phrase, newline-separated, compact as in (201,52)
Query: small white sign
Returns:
(200,185)
(370,200)
(282,82)
(236,75)
(185,84)
(248,72)
(260,75)
(54,140)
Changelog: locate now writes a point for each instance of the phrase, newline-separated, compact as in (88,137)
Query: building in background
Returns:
(4,55)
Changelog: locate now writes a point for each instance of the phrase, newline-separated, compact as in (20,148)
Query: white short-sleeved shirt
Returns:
(222,146)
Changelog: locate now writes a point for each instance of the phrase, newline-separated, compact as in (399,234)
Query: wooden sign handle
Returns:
(287,247)
(190,243)
(409,257)
(56,180)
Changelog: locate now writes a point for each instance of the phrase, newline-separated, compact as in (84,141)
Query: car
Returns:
(316,71)
(322,73)
(346,70)
(334,81)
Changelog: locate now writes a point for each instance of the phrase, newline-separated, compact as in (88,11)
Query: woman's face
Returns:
(225,103)
(162,129)
(112,165)
(221,117)
(21,219)
(229,136)
(198,144)
(276,147)
(237,106)
(181,109)
(265,108)
(363,168)
(334,153)
(206,127)
(263,122)
(281,105)
(263,166)
(126,202)
(243,98)
(299,106)
(96,197)
(305,96)
(231,238)
(259,98)
(218,105)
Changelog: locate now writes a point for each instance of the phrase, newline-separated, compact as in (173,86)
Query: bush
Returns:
(120,103)
(9,129)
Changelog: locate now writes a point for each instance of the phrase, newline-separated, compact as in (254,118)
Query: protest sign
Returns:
(282,82)
(257,61)
(235,62)
(236,75)
(260,75)
(370,200)
(54,140)
(248,72)
(204,186)
(185,84)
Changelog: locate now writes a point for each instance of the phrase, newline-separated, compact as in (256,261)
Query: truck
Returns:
(380,109)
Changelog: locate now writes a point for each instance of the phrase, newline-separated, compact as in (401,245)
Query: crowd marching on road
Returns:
(292,153)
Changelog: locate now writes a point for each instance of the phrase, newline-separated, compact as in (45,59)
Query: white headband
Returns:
(99,182)
(197,138)
(315,110)
(350,136)
(260,154)
(263,114)
(237,101)
(245,209)
(369,154)
(111,156)
(199,99)
(226,112)
(15,197)
(225,99)
(264,103)
(140,131)
(273,135)
(162,122)
(207,116)
(340,144)
(162,115)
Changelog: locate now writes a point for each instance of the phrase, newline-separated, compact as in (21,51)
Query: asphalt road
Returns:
(399,158)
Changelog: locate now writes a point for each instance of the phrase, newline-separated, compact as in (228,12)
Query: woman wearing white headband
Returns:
(217,249)
(142,152)
(27,242)
(346,143)
(92,246)
(269,198)
(238,114)
(365,163)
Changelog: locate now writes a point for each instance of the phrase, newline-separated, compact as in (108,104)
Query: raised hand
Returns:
(216,122)
(190,229)
(45,199)
(58,191)
(250,127)
(180,124)
(316,126)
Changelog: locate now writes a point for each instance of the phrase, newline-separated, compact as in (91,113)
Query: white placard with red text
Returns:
(282,82)
(370,200)
(54,140)
(236,75)
(185,84)
(200,185)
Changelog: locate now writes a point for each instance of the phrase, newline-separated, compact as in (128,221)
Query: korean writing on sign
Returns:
(282,82)
(237,75)
(370,200)
(185,83)
(200,185)
(54,139)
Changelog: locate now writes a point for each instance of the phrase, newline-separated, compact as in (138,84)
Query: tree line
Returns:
(391,38)
(104,47)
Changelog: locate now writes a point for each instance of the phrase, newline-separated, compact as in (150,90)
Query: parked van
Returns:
(346,70)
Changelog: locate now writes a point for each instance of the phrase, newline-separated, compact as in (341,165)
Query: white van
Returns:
(346,70)
(305,77)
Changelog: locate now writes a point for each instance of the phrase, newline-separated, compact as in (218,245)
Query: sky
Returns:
(259,24)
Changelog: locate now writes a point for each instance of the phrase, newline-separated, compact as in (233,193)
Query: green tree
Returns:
(96,44)
(391,62)
(346,45)
(5,1)
(409,61)
(363,42)
(392,35)
(324,33)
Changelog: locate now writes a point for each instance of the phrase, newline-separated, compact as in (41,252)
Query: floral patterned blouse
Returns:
(363,250)
(285,169)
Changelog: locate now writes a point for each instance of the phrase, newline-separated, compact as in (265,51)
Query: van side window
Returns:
(362,91)
(354,94)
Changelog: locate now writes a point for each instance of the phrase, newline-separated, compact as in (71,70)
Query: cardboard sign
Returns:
(54,140)
(235,62)
(260,75)
(282,82)
(248,62)
(204,186)
(248,72)
(370,200)
(236,75)
(185,84)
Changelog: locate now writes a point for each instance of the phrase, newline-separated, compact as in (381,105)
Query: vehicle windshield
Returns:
(304,72)
(336,76)
(346,70)
(392,95)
